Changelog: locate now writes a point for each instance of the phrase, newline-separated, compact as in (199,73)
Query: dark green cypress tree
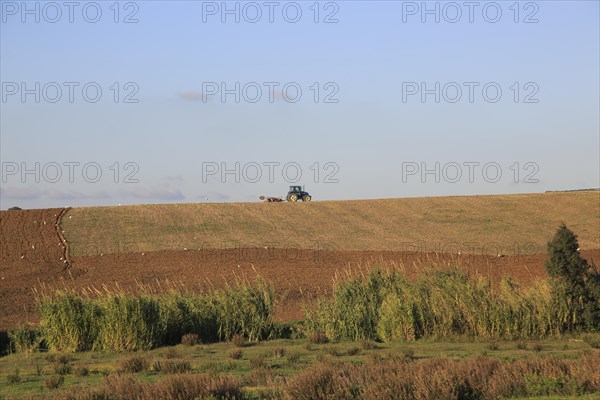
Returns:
(564,263)
(563,258)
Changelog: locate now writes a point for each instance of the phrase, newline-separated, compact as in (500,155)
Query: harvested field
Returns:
(298,273)
(508,224)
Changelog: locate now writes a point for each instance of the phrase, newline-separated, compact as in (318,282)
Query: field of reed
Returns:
(386,305)
(114,320)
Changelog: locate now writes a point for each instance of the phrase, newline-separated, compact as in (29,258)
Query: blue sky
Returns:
(372,138)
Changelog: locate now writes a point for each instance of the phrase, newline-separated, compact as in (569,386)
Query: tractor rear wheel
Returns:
(306,198)
(292,197)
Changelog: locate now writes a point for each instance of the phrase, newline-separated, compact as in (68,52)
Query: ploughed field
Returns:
(299,247)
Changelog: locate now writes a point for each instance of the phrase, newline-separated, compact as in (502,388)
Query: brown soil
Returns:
(31,258)
(31,251)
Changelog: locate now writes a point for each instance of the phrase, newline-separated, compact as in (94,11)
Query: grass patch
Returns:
(14,377)
(259,365)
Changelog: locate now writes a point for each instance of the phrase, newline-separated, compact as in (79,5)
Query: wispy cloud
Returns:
(214,196)
(156,193)
(30,193)
(173,178)
(70,195)
(21,193)
(191,96)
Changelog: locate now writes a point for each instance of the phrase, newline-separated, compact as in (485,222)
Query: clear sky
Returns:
(492,97)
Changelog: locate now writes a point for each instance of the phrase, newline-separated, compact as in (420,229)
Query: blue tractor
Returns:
(298,193)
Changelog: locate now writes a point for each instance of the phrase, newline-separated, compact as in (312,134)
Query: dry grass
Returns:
(259,369)
(134,365)
(235,354)
(196,386)
(442,378)
(423,224)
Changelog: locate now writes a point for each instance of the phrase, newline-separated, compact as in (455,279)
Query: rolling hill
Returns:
(508,224)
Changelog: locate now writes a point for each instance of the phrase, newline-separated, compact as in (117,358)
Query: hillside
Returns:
(133,245)
(507,224)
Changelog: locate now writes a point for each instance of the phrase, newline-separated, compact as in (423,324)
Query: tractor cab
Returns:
(297,193)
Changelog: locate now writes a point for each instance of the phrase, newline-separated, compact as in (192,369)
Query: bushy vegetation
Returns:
(130,323)
(118,321)
(24,339)
(134,365)
(386,305)
(69,322)
(284,368)
(178,386)
(381,305)
(190,339)
(442,378)
(579,281)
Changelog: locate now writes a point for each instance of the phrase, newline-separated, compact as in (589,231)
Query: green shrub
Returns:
(25,339)
(62,369)
(542,385)
(62,364)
